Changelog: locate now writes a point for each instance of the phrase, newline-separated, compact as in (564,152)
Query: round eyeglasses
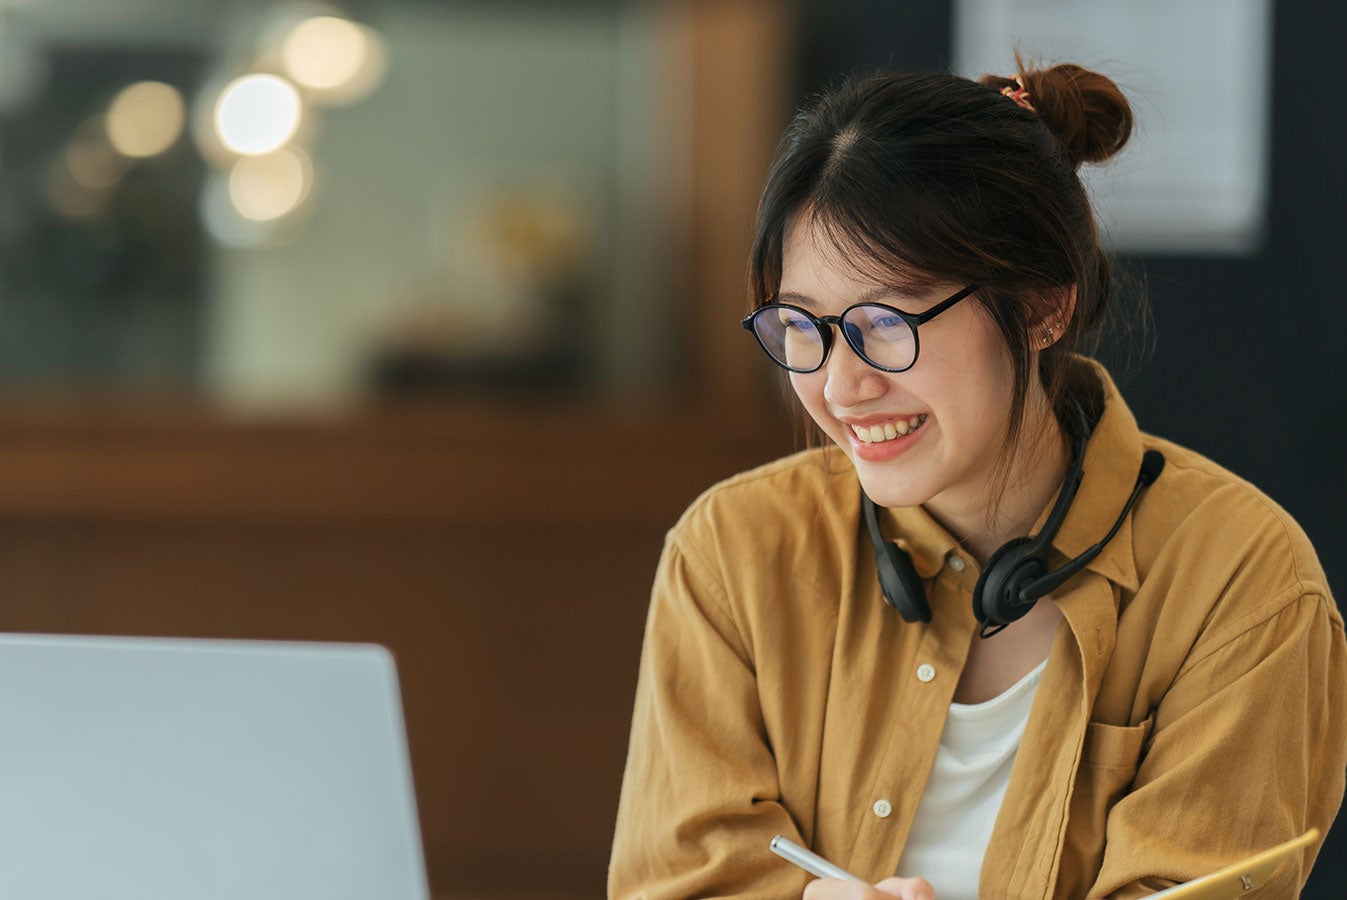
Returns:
(883,336)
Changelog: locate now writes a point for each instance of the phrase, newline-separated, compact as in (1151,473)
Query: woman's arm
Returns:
(700,798)
(1248,750)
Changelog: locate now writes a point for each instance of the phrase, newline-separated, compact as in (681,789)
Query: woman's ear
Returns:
(1060,306)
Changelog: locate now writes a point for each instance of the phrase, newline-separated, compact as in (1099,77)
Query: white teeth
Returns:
(873,434)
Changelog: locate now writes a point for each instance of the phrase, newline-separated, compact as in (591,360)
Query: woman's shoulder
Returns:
(800,496)
(1198,496)
(1216,535)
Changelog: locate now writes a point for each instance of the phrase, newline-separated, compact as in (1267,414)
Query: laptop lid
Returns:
(142,768)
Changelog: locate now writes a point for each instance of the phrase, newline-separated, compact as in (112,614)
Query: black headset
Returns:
(1016,575)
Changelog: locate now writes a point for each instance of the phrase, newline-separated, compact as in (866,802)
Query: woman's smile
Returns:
(877,440)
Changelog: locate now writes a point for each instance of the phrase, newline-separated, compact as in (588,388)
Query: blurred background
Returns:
(414,321)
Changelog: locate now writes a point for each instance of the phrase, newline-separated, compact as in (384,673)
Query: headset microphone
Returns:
(1016,575)
(1151,464)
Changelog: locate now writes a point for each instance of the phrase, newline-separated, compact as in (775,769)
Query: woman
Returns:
(1149,688)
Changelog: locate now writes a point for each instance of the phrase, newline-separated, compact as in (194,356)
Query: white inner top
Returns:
(968,782)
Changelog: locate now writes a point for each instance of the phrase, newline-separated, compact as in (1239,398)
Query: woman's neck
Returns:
(1036,473)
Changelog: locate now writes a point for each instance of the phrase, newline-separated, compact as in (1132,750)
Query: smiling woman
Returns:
(1171,660)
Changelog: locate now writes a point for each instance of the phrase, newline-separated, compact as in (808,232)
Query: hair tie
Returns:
(1020,95)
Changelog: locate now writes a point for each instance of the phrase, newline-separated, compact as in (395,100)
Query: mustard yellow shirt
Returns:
(1191,712)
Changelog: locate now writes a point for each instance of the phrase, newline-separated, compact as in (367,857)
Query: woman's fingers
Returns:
(902,888)
(907,888)
(834,889)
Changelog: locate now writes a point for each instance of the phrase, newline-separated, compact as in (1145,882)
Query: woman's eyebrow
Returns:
(870,295)
(892,294)
(795,299)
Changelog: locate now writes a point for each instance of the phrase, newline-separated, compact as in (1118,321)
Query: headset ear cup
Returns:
(901,585)
(1010,568)
(898,580)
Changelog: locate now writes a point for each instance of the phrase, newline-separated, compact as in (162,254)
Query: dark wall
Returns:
(1249,364)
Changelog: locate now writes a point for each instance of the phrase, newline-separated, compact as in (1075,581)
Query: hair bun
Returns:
(1086,110)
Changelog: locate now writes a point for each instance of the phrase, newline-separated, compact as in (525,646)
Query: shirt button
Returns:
(956,563)
(882,808)
(925,673)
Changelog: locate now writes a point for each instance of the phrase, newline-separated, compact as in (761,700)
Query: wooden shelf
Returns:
(465,466)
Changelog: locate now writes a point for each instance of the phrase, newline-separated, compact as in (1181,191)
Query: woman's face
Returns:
(958,392)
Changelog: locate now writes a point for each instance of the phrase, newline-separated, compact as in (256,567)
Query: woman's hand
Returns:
(902,888)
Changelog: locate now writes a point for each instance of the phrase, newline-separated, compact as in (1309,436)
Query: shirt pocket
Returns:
(1115,747)
(1108,766)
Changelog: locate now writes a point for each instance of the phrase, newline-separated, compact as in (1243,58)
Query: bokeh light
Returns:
(257,114)
(93,163)
(71,199)
(222,220)
(340,61)
(145,119)
(325,52)
(263,188)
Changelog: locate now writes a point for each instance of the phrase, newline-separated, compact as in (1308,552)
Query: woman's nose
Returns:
(850,379)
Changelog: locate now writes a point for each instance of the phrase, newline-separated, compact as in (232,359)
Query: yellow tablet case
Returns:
(1243,877)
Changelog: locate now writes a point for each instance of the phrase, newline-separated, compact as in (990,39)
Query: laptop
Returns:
(154,768)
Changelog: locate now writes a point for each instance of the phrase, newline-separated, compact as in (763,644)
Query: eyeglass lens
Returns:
(878,334)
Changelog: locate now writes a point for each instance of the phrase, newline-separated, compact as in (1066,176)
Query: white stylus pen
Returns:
(808,860)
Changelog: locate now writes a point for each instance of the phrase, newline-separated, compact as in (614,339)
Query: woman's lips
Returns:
(877,446)
(873,432)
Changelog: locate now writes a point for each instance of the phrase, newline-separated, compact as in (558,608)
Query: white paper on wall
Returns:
(1198,75)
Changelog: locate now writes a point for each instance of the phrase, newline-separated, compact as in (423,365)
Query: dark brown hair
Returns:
(931,178)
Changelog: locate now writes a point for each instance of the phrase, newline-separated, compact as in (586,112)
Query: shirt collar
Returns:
(1112,462)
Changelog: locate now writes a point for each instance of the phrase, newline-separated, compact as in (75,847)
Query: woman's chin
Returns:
(892,496)
(881,483)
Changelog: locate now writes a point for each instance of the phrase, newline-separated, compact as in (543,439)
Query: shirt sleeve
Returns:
(1248,751)
(700,798)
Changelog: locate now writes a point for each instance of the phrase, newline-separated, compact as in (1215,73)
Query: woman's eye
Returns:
(889,324)
(790,321)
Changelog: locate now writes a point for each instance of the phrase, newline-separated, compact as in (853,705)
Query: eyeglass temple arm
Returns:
(943,305)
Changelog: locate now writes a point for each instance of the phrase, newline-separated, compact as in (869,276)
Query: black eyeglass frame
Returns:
(824,325)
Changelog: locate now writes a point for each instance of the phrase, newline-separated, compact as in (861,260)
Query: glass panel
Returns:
(437,197)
